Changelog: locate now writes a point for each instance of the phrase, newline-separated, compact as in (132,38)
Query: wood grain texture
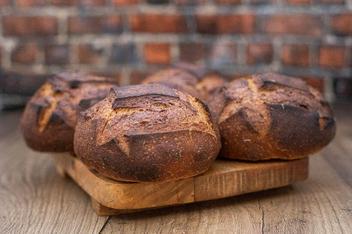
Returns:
(225,178)
(34,199)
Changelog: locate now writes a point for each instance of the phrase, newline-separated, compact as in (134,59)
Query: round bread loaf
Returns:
(271,116)
(210,88)
(176,78)
(146,133)
(50,116)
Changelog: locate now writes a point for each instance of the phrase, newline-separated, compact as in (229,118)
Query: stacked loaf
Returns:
(176,122)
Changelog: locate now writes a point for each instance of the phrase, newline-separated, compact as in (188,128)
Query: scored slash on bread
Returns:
(50,116)
(271,116)
(52,99)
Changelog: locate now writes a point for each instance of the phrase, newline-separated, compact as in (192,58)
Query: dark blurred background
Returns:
(128,40)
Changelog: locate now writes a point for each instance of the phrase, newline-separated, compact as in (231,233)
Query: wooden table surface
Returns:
(34,199)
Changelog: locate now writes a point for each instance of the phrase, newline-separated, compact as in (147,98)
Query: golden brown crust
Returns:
(50,116)
(271,116)
(147,133)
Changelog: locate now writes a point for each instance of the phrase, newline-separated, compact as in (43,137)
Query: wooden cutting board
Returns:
(224,179)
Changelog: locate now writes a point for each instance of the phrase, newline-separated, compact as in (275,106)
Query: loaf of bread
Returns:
(145,133)
(210,89)
(50,116)
(180,79)
(196,70)
(271,116)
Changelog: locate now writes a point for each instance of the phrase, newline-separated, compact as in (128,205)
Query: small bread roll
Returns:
(50,116)
(145,133)
(271,116)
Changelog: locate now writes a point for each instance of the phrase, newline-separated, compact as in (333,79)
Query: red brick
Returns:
(95,24)
(25,54)
(57,54)
(125,2)
(295,55)
(158,23)
(293,24)
(30,3)
(217,24)
(157,53)
(315,82)
(342,24)
(88,54)
(207,24)
(259,53)
(29,26)
(332,57)
(193,52)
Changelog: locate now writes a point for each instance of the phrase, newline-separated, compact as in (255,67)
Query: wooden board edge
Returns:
(107,192)
(280,175)
(71,166)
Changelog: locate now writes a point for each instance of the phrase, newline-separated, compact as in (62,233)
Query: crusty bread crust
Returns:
(147,133)
(176,78)
(210,88)
(271,116)
(50,115)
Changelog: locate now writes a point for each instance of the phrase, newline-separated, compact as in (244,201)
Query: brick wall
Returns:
(129,39)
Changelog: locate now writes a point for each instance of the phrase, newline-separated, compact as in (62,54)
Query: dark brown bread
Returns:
(196,70)
(176,78)
(51,114)
(271,116)
(147,133)
(210,88)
